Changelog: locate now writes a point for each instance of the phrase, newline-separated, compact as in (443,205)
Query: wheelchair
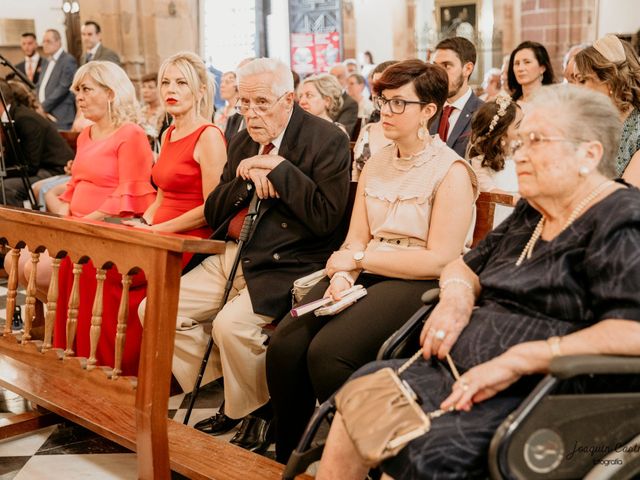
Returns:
(554,434)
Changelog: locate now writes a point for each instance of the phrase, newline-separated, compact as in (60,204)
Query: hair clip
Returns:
(503,100)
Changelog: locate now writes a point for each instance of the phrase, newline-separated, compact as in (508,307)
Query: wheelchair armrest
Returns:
(569,366)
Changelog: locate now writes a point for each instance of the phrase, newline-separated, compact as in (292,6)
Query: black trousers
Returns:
(311,357)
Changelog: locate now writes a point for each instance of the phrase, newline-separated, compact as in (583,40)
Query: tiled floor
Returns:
(69,452)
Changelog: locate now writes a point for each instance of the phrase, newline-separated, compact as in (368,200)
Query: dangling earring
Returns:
(584,171)
(198,109)
(422,131)
(109,111)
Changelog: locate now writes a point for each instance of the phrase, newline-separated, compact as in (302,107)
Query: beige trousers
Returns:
(239,352)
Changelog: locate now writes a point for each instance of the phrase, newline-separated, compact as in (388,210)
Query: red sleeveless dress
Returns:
(179,177)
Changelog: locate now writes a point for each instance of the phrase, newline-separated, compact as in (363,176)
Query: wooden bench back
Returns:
(130,412)
(70,137)
(485,211)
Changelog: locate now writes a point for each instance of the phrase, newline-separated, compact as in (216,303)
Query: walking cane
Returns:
(254,206)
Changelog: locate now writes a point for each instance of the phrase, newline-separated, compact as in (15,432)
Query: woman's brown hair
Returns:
(622,77)
(491,144)
(429,81)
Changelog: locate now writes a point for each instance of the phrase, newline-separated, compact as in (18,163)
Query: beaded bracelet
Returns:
(460,281)
(344,275)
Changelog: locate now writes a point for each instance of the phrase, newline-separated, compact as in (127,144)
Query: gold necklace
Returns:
(528,248)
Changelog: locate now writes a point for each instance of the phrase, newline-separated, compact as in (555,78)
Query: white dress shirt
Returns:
(31,62)
(458,106)
(47,74)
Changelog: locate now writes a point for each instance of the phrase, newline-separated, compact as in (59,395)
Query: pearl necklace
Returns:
(528,248)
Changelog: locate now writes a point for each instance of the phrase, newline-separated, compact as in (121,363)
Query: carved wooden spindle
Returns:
(123,315)
(30,308)
(72,313)
(52,304)
(12,289)
(96,318)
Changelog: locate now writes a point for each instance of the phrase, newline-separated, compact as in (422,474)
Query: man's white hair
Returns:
(282,76)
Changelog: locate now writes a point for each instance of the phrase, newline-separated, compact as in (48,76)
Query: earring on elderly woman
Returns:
(584,171)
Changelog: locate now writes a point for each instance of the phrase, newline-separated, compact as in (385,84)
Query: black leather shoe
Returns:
(217,425)
(255,434)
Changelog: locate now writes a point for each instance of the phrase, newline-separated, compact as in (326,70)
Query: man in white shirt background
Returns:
(457,56)
(53,86)
(33,63)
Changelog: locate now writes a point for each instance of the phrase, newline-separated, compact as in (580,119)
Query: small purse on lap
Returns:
(303,285)
(381,412)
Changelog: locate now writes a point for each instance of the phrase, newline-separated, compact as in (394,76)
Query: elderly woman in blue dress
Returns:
(558,277)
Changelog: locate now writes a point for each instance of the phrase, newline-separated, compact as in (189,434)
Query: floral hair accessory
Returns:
(503,100)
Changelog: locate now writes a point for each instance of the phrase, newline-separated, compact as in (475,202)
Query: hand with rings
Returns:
(442,328)
(484,381)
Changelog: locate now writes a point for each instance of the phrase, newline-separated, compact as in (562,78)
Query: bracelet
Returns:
(459,281)
(554,346)
(344,275)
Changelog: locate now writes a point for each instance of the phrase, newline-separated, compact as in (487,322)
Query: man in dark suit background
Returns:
(33,63)
(298,165)
(53,86)
(92,43)
(457,56)
(45,151)
(348,114)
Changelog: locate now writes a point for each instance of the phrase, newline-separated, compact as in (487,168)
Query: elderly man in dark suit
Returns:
(57,76)
(298,164)
(92,43)
(44,150)
(457,56)
(32,64)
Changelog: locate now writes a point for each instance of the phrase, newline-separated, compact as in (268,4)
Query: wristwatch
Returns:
(358,257)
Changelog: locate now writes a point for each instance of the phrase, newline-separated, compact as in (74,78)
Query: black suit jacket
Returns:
(41,144)
(294,234)
(103,53)
(348,114)
(233,126)
(22,66)
(59,101)
(459,136)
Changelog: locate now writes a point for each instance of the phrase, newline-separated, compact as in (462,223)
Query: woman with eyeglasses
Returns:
(558,277)
(321,95)
(412,215)
(610,66)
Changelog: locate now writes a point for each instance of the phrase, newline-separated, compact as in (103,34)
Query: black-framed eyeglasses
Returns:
(396,105)
(260,108)
(533,139)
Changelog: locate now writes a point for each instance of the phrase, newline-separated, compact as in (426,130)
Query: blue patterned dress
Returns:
(629,141)
(589,272)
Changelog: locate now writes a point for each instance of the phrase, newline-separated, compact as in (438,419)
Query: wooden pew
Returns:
(131,412)
(70,137)
(485,210)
